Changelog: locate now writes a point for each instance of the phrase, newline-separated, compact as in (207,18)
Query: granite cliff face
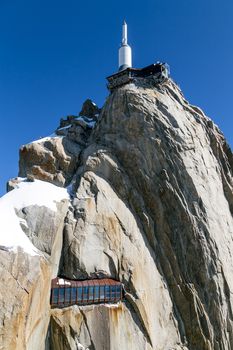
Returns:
(150,204)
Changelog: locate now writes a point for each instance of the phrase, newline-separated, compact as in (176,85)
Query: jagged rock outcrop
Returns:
(90,109)
(56,158)
(151,205)
(53,160)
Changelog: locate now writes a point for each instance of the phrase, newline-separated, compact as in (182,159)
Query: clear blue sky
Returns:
(54,54)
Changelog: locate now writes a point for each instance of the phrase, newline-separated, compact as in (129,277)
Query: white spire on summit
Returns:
(124,33)
(125,52)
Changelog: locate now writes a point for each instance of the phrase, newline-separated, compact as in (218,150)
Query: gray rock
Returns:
(67,121)
(89,109)
(12,183)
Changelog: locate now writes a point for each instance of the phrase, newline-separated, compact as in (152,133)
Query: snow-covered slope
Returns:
(38,193)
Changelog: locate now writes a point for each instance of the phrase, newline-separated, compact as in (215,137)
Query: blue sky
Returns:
(55,54)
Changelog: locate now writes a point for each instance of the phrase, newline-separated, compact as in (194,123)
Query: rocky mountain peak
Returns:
(149,180)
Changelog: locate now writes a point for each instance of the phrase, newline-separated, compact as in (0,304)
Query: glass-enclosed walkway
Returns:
(68,292)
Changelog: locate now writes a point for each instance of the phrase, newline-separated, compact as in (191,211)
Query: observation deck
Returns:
(66,292)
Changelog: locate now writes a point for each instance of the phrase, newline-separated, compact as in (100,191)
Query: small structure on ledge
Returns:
(157,72)
(66,292)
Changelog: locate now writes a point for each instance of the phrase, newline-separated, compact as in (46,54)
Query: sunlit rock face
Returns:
(152,208)
(55,158)
(151,205)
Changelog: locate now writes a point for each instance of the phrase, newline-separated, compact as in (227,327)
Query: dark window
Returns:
(96,293)
(102,292)
(85,293)
(113,292)
(80,292)
(118,292)
(55,296)
(73,294)
(91,294)
(107,293)
(61,295)
(67,294)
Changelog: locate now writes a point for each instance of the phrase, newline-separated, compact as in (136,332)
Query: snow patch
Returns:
(47,138)
(88,121)
(20,179)
(81,347)
(112,306)
(61,281)
(65,127)
(25,194)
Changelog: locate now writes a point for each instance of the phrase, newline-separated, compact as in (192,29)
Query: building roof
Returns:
(61,282)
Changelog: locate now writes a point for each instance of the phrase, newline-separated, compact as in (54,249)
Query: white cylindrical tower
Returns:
(125,52)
